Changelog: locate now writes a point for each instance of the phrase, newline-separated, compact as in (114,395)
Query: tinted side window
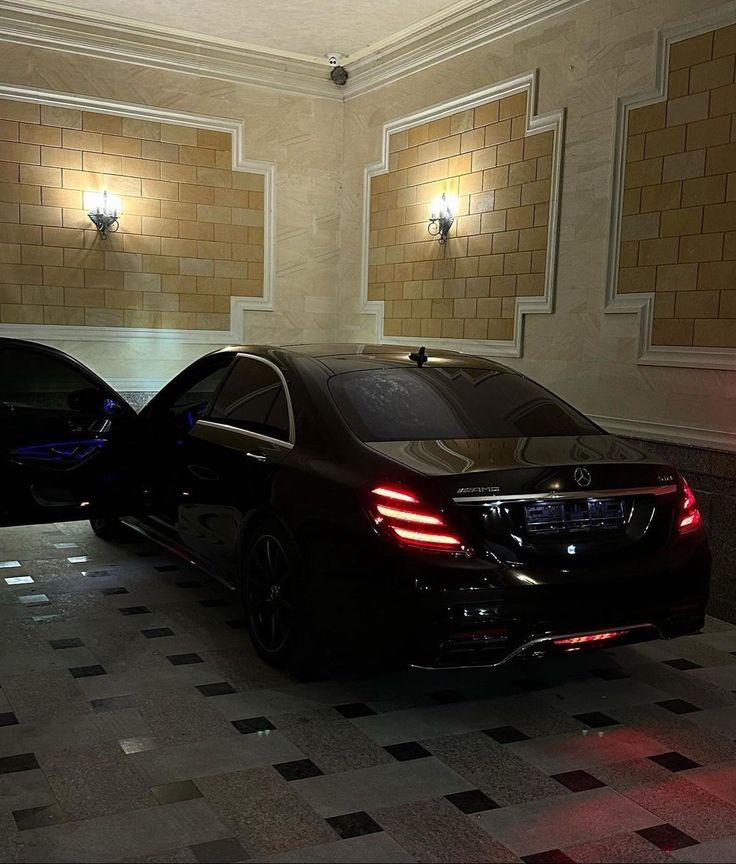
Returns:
(253,398)
(34,379)
(189,397)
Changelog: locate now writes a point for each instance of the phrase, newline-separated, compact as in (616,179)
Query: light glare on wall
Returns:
(442,216)
(103,209)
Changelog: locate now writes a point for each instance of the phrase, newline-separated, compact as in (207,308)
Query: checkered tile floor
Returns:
(136,724)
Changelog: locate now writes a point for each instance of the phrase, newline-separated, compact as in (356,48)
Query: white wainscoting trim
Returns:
(642,304)
(553,121)
(714,439)
(239,306)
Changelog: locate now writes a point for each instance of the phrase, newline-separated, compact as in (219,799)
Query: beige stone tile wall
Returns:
(678,232)
(496,248)
(191,228)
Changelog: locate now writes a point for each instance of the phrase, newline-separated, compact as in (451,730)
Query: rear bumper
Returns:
(440,612)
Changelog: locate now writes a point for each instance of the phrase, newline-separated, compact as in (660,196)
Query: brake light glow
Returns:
(408,515)
(415,526)
(688,515)
(590,637)
(426,538)
(394,495)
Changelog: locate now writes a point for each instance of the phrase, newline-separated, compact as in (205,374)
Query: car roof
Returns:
(350,357)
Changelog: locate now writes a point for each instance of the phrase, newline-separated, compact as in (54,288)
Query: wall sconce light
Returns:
(103,211)
(442,218)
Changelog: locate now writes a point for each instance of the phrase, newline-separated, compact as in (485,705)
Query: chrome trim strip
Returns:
(215,424)
(289,407)
(566,496)
(538,641)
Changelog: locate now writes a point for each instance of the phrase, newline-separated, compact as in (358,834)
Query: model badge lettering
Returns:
(478,490)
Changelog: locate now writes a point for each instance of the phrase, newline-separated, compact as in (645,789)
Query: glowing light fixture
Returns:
(443,215)
(103,210)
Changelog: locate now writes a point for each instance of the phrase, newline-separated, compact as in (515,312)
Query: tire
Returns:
(273,597)
(110,529)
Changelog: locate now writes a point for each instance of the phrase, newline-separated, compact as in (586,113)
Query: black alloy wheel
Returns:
(270,595)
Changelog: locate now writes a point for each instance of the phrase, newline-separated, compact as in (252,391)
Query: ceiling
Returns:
(310,28)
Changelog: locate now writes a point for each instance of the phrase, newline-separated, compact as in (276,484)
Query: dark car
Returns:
(447,508)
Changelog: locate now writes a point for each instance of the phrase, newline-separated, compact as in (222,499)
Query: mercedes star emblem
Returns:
(582,476)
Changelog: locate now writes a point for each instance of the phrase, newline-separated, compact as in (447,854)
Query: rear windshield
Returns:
(410,404)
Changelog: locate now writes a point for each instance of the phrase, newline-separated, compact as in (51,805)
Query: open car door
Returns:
(67,439)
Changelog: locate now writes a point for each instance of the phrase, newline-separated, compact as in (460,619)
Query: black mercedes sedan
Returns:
(441,506)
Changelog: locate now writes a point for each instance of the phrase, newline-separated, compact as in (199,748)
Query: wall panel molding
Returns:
(439,37)
(642,304)
(715,439)
(553,121)
(239,306)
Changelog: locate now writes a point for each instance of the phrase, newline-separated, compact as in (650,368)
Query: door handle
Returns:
(256,455)
(203,473)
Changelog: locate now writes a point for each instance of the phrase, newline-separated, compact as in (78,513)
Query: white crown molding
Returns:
(443,38)
(642,304)
(458,28)
(41,24)
(553,121)
(239,306)
(714,439)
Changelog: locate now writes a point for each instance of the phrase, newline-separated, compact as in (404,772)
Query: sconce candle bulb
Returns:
(441,219)
(103,212)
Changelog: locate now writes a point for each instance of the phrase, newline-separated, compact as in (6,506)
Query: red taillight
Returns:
(590,637)
(413,526)
(394,494)
(688,515)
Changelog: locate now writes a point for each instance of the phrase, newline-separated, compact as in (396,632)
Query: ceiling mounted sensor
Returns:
(338,73)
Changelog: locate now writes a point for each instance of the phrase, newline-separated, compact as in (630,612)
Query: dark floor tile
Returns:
(221,688)
(407,751)
(682,664)
(218,851)
(188,583)
(300,769)
(134,610)
(674,761)
(238,624)
(113,703)
(170,793)
(553,856)
(20,762)
(353,825)
(252,724)
(505,734)
(111,592)
(157,632)
(212,602)
(473,801)
(59,644)
(611,673)
(8,718)
(167,568)
(354,709)
(667,838)
(184,659)
(446,697)
(148,553)
(578,781)
(678,706)
(39,817)
(87,671)
(96,574)
(596,719)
